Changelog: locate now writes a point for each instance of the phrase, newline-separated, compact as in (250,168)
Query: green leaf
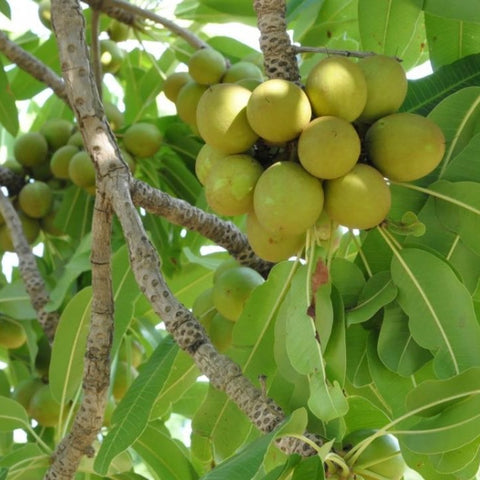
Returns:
(5,8)
(363,414)
(396,347)
(12,415)
(68,351)
(463,166)
(357,365)
(8,108)
(423,94)
(393,28)
(327,400)
(308,468)
(301,17)
(377,292)
(469,11)
(15,302)
(348,279)
(25,462)
(131,416)
(75,214)
(456,460)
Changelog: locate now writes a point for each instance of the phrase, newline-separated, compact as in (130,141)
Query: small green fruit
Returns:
(61,159)
(207,66)
(118,31)
(114,116)
(203,308)
(220,332)
(44,408)
(76,139)
(31,149)
(25,390)
(57,131)
(36,199)
(45,13)
(224,266)
(173,84)
(142,139)
(187,101)
(30,227)
(111,56)
(81,170)
(12,334)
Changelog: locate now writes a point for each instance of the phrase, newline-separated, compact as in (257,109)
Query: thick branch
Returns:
(33,281)
(32,66)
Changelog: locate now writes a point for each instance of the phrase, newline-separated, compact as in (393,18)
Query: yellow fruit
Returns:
(242,70)
(207,66)
(230,184)
(206,158)
(57,131)
(271,246)
(329,147)
(337,86)
(111,56)
(360,199)
(220,332)
(173,83)
(232,289)
(12,334)
(123,378)
(278,110)
(287,199)
(187,101)
(222,118)
(386,86)
(44,408)
(114,116)
(81,170)
(30,149)
(61,159)
(405,146)
(36,199)
(142,139)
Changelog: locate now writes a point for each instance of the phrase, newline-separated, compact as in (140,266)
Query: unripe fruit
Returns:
(386,86)
(220,332)
(61,159)
(206,158)
(129,160)
(142,139)
(242,70)
(187,101)
(45,13)
(111,56)
(76,139)
(114,116)
(30,227)
(57,131)
(30,149)
(25,390)
(272,247)
(207,66)
(405,146)
(36,199)
(47,224)
(123,378)
(278,110)
(222,118)
(81,170)
(12,334)
(44,408)
(173,84)
(230,184)
(287,199)
(203,308)
(118,31)
(360,199)
(14,166)
(329,147)
(232,289)
(224,266)
(337,86)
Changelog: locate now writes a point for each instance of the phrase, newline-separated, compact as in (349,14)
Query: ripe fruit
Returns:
(380,459)
(61,159)
(44,408)
(111,56)
(232,289)
(230,184)
(328,147)
(123,378)
(142,139)
(272,247)
(207,66)
(405,146)
(287,199)
(278,110)
(36,199)
(30,149)
(81,170)
(359,199)
(206,158)
(222,118)
(12,334)
(242,70)
(173,83)
(220,332)
(337,86)
(386,86)
(187,101)
(57,131)
(25,390)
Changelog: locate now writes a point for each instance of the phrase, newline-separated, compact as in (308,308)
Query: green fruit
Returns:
(131,349)
(25,390)
(81,170)
(45,13)
(360,199)
(232,289)
(405,146)
(173,84)
(31,149)
(12,333)
(111,56)
(249,83)
(386,86)
(76,139)
(220,332)
(230,184)
(57,131)
(129,160)
(206,158)
(203,308)
(272,247)
(380,459)
(42,360)
(30,227)
(36,199)
(123,378)
(61,159)
(14,166)
(337,86)
(114,116)
(224,266)
(187,101)
(207,66)
(222,118)
(278,110)
(41,172)
(329,147)
(242,70)
(44,408)
(142,139)
(47,224)
(118,31)
(287,199)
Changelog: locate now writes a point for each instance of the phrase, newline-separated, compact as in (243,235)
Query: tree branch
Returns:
(11,180)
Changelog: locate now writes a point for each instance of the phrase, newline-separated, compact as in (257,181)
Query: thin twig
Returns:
(334,51)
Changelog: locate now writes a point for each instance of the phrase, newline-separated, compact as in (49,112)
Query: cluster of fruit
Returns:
(219,307)
(283,154)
